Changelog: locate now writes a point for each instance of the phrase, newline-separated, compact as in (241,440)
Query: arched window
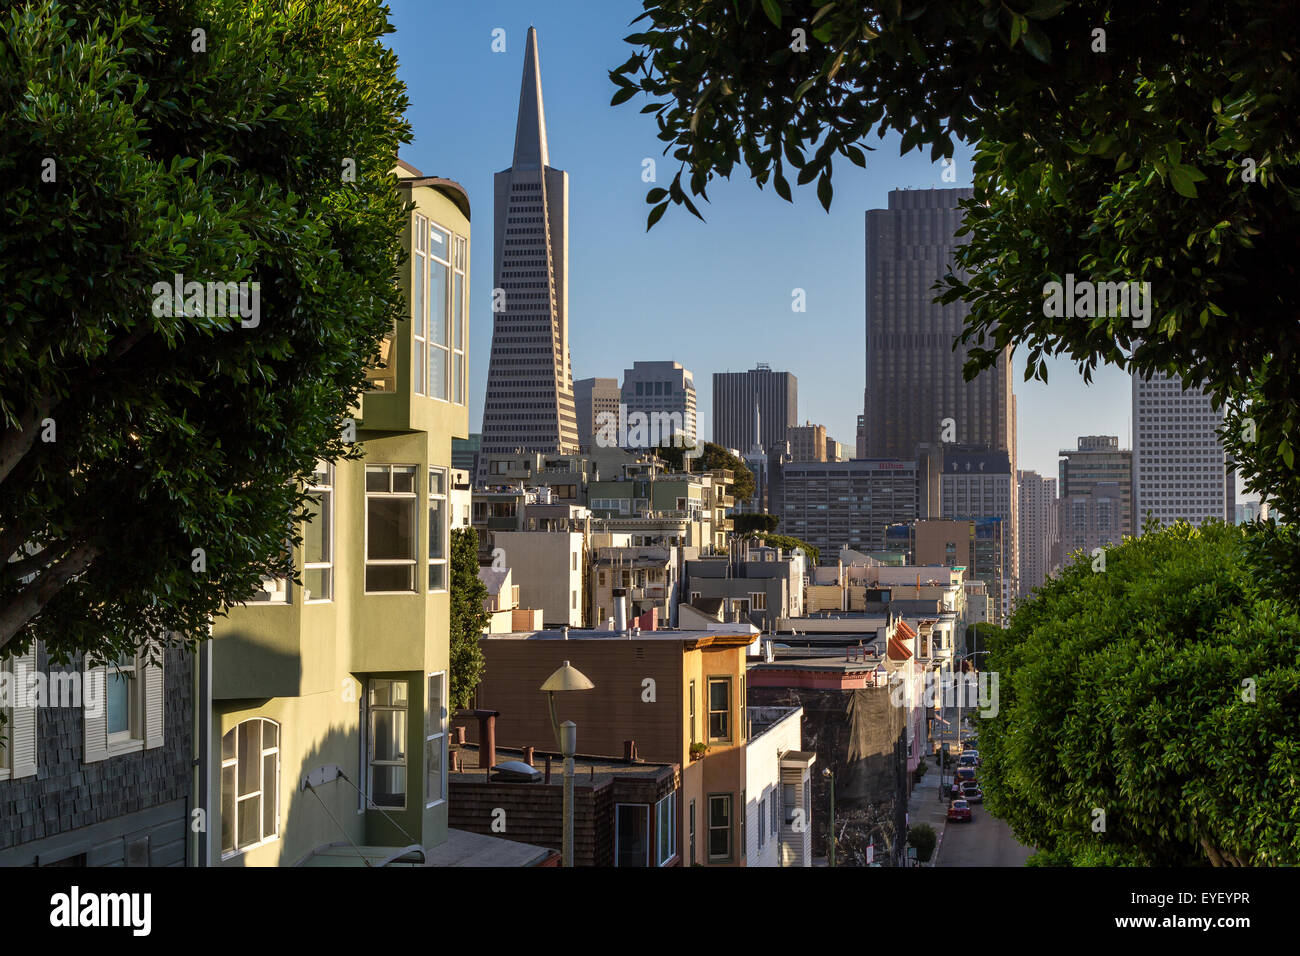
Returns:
(250,785)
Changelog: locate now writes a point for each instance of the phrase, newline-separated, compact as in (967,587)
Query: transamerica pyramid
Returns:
(529,404)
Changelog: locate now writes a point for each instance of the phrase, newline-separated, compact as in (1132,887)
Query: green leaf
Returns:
(623,95)
(1036,42)
(658,194)
(824,191)
(1182,182)
(773,10)
(655,215)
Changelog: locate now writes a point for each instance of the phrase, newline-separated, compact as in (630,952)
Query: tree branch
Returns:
(40,592)
(17,440)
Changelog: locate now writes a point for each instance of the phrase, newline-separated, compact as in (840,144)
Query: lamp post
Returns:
(826,772)
(566,677)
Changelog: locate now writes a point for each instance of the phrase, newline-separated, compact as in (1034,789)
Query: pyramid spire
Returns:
(530,130)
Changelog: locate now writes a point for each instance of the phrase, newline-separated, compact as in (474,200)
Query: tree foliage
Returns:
(1160,151)
(790,543)
(469,618)
(1163,693)
(713,457)
(923,837)
(750,523)
(154,463)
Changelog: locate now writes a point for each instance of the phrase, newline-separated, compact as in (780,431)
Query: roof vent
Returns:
(515,771)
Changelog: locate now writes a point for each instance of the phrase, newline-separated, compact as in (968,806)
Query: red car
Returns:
(960,810)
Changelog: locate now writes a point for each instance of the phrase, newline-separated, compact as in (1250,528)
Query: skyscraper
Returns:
(592,398)
(915,391)
(1180,468)
(734,395)
(661,389)
(529,403)
(1096,504)
(1038,535)
(979,483)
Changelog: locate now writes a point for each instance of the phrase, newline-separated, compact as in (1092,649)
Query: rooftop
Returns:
(727,634)
(587,768)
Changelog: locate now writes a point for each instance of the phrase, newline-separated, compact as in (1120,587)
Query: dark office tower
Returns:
(734,396)
(915,390)
(529,403)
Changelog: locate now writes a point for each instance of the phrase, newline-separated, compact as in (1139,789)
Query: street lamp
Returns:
(566,677)
(826,772)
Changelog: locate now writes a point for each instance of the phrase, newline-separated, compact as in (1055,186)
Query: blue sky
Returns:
(714,296)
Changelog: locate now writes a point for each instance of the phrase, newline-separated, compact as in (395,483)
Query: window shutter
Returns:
(22,731)
(153,695)
(95,687)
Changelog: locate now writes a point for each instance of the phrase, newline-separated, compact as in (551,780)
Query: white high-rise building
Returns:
(529,404)
(1180,468)
(1038,536)
(664,389)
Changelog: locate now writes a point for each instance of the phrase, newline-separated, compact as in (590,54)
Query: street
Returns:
(985,841)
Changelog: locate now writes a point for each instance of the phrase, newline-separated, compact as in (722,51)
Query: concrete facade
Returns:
(1180,468)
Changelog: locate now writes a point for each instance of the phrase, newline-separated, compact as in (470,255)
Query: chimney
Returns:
(620,610)
(528,755)
(629,751)
(487,739)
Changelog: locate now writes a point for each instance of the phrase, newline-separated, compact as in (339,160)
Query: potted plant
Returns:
(698,750)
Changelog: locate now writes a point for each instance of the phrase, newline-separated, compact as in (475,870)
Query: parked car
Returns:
(968,760)
(966,773)
(972,792)
(960,810)
(972,752)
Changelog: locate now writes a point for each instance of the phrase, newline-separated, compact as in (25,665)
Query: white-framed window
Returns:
(318,537)
(440,291)
(122,700)
(388,723)
(438,529)
(789,796)
(719,828)
(435,741)
(250,785)
(719,708)
(758,600)
(272,591)
(460,320)
(419,307)
(665,829)
(390,528)
(123,703)
(18,731)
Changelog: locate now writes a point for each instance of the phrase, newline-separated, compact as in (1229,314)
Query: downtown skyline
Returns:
(623,278)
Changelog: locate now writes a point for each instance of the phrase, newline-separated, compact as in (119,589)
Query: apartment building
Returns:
(328,722)
(974,545)
(977,482)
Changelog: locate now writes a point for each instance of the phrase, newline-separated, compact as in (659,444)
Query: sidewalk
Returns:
(924,806)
